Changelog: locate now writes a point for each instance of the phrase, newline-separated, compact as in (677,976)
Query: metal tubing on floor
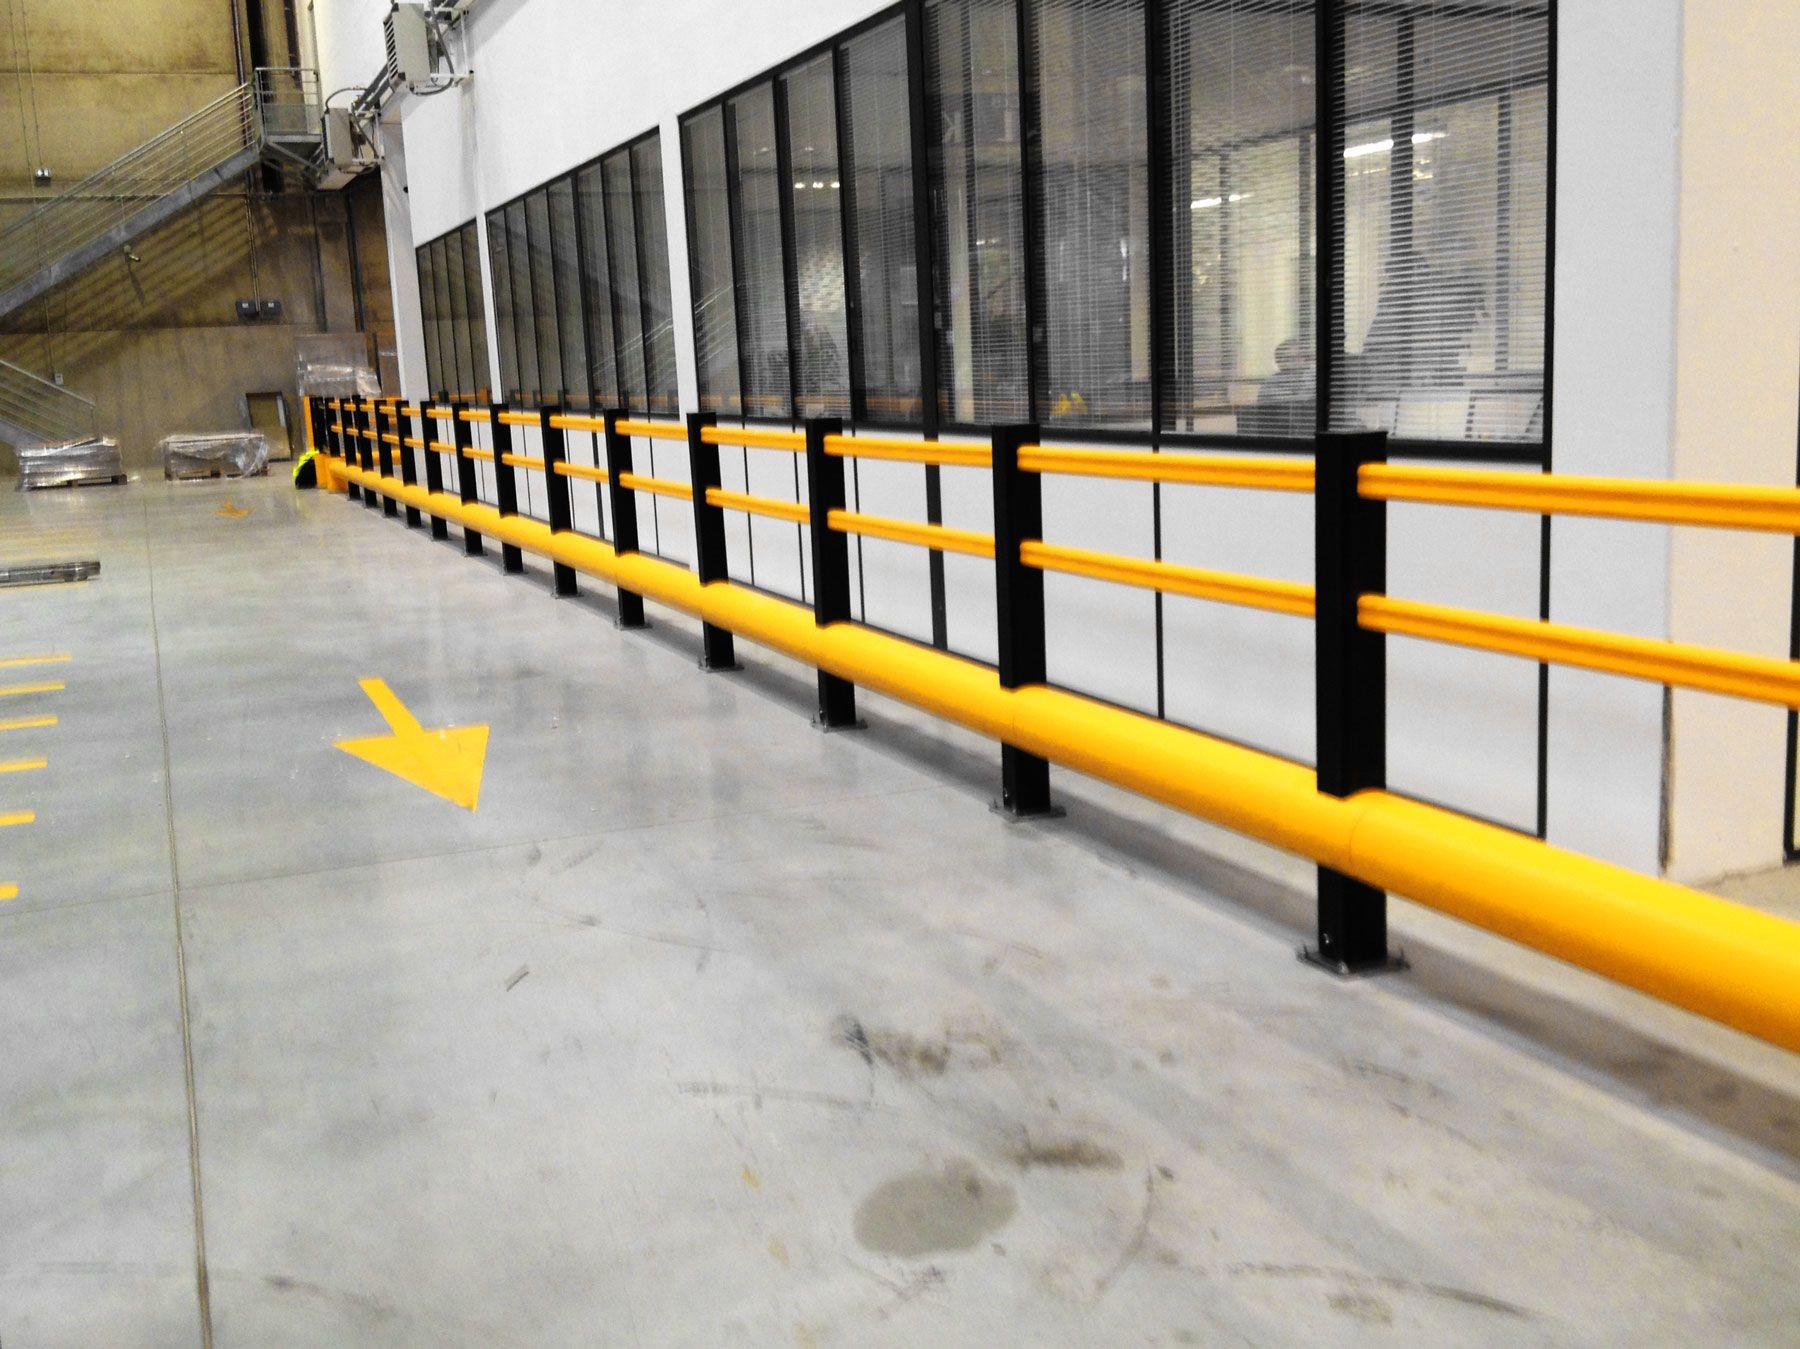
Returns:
(1713,957)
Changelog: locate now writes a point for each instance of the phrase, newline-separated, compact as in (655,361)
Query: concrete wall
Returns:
(155,341)
(1736,412)
(1631,388)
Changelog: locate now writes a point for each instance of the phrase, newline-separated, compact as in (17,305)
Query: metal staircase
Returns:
(274,118)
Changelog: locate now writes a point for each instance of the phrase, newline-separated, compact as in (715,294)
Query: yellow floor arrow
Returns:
(445,762)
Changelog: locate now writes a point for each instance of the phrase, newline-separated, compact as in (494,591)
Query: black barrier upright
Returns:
(342,441)
(506,486)
(381,419)
(1019,602)
(624,512)
(826,492)
(556,491)
(434,466)
(716,650)
(462,436)
(365,449)
(405,428)
(1349,561)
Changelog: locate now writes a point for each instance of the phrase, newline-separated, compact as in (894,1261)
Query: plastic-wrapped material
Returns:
(334,365)
(228,454)
(63,463)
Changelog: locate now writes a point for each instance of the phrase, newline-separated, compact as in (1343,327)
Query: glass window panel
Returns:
(478,343)
(1242,114)
(467,381)
(543,296)
(428,318)
(596,280)
(1444,186)
(822,383)
(524,304)
(628,318)
(504,327)
(1095,195)
(661,389)
(972,81)
(565,245)
(878,153)
(761,293)
(709,254)
(446,321)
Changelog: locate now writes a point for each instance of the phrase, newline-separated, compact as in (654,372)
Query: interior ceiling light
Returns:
(1383,146)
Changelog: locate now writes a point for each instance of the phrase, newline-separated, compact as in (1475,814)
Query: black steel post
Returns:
(506,486)
(380,420)
(624,512)
(405,428)
(556,490)
(1019,603)
(341,443)
(826,491)
(365,421)
(434,467)
(1350,672)
(716,649)
(462,437)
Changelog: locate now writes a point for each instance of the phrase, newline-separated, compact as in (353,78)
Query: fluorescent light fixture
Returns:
(1381,147)
(1207,203)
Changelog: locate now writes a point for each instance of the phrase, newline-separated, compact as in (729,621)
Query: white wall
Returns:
(557,82)
(1736,412)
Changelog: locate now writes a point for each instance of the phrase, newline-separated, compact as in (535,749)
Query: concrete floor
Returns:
(707,1029)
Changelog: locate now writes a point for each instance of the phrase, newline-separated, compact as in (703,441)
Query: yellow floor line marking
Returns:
(22,765)
(18,817)
(26,723)
(13,690)
(13,662)
(9,892)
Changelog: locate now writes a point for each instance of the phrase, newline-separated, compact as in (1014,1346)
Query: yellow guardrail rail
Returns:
(1250,592)
(661,487)
(949,453)
(518,419)
(475,415)
(569,421)
(1269,472)
(940,537)
(652,430)
(1674,663)
(523,461)
(775,509)
(753,438)
(583,471)
(1719,959)
(1770,509)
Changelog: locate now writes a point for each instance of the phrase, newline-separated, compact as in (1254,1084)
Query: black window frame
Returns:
(454,336)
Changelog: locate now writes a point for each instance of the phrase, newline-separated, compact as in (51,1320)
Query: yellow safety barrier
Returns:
(486,456)
(771,507)
(409,411)
(568,421)
(441,414)
(390,439)
(439,447)
(568,470)
(1713,957)
(652,430)
(1251,592)
(637,482)
(907,531)
(414,443)
(948,453)
(1271,473)
(475,415)
(523,461)
(753,438)
(1660,662)
(518,419)
(1771,509)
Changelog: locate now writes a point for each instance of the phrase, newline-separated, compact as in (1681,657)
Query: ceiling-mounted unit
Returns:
(409,55)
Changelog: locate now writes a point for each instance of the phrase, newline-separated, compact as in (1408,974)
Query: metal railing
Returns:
(46,410)
(1719,959)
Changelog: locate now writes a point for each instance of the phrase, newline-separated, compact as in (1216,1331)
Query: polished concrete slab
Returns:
(706,1028)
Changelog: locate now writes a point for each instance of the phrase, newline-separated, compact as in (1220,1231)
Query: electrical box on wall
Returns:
(340,138)
(409,46)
